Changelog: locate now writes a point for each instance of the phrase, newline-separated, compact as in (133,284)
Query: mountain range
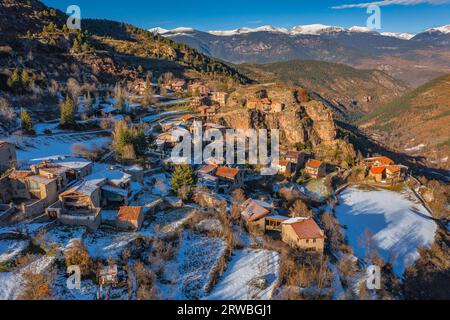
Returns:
(415,59)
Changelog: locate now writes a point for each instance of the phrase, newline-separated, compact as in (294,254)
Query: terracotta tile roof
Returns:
(41,179)
(306,228)
(51,167)
(20,174)
(129,213)
(377,170)
(385,161)
(314,163)
(207,169)
(186,117)
(266,101)
(225,172)
(393,169)
(252,211)
(284,163)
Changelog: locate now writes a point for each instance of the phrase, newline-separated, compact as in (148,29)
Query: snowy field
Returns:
(247,268)
(11,283)
(189,272)
(10,249)
(58,144)
(399,223)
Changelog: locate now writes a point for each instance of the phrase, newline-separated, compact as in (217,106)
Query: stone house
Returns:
(52,170)
(378,173)
(395,173)
(78,206)
(284,167)
(198,88)
(76,168)
(130,218)
(8,158)
(378,161)
(108,276)
(177,85)
(43,187)
(315,169)
(297,158)
(219,97)
(303,233)
(229,179)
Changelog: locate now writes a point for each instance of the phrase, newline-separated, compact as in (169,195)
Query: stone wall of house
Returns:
(289,237)
(90,222)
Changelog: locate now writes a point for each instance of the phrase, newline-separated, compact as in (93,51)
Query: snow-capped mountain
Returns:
(314,42)
(248,30)
(311,29)
(443,29)
(398,35)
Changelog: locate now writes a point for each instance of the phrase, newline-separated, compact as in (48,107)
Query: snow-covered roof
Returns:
(84,188)
(116,177)
(295,220)
(119,191)
(73,163)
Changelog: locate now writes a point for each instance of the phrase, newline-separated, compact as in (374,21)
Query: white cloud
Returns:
(389,3)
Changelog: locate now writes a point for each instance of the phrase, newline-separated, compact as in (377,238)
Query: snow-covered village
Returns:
(95,203)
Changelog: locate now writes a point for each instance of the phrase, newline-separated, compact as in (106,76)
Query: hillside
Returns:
(103,52)
(348,89)
(417,122)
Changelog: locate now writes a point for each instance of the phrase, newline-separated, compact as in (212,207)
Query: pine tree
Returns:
(182,179)
(26,124)
(67,114)
(65,30)
(120,102)
(14,80)
(25,79)
(89,104)
(76,46)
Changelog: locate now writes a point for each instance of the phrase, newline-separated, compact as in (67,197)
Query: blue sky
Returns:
(413,16)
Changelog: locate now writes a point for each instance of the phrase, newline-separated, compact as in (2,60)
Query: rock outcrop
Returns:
(322,118)
(311,122)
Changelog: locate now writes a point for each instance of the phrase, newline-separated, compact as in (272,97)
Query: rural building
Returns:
(284,167)
(379,161)
(200,101)
(229,179)
(254,210)
(52,170)
(8,156)
(219,97)
(78,206)
(130,218)
(77,168)
(5,190)
(108,276)
(177,85)
(43,187)
(378,173)
(315,169)
(198,89)
(297,158)
(265,105)
(395,173)
(303,233)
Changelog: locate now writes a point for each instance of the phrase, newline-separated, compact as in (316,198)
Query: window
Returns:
(314,241)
